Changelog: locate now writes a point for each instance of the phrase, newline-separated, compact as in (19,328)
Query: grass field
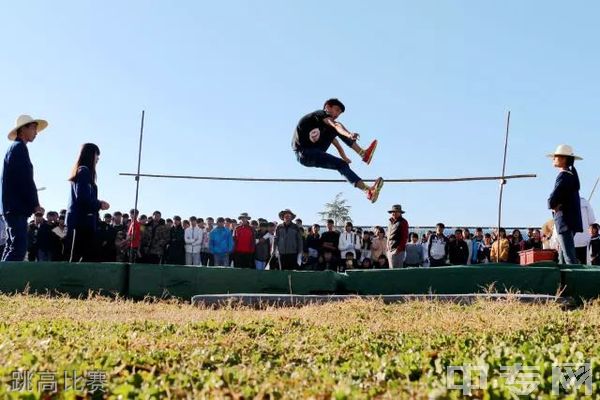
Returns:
(352,350)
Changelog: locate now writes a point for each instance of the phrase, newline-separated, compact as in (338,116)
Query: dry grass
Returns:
(413,317)
(355,349)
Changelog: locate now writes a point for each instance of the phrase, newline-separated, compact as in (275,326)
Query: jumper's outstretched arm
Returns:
(340,150)
(341,129)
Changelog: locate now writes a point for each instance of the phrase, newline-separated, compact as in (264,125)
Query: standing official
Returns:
(19,193)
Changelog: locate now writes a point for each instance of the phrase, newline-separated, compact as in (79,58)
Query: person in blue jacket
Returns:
(19,193)
(565,202)
(220,243)
(82,213)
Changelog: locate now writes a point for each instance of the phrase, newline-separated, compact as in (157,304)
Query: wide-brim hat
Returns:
(564,150)
(244,215)
(23,120)
(396,208)
(286,211)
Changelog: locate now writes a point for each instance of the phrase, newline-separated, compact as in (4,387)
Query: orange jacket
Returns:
(504,247)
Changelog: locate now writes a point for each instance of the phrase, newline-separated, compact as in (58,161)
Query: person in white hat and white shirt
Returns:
(19,193)
(565,203)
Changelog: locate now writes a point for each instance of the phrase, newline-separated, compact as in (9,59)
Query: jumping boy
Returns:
(317,131)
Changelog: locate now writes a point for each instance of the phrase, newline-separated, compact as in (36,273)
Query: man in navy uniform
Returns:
(19,193)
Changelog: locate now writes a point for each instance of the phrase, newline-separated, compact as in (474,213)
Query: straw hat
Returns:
(564,150)
(24,120)
(286,211)
(396,208)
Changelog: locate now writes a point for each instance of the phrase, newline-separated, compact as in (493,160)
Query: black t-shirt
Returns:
(459,252)
(312,132)
(332,237)
(313,242)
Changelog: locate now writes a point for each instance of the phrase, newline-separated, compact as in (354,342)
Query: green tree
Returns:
(338,210)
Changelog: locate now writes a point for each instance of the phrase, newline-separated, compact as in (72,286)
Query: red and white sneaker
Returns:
(369,152)
(373,192)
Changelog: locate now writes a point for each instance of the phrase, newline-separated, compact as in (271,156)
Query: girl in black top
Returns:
(82,213)
(517,244)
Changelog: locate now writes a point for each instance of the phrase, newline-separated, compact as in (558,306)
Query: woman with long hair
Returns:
(516,244)
(564,201)
(82,214)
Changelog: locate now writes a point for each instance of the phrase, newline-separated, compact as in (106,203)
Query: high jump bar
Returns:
(307,180)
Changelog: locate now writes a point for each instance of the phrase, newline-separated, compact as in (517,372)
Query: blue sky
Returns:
(224,84)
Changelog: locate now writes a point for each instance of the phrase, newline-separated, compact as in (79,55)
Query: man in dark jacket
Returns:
(32,236)
(262,254)
(19,193)
(45,237)
(288,241)
(175,253)
(155,239)
(312,246)
(57,239)
(458,249)
(330,240)
(117,222)
(107,234)
(397,237)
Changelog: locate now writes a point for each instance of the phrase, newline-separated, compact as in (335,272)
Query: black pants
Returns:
(83,247)
(581,253)
(243,260)
(437,263)
(207,259)
(289,261)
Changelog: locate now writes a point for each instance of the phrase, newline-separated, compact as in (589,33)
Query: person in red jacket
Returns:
(134,236)
(243,238)
(397,237)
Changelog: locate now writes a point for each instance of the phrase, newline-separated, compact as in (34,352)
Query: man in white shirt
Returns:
(349,242)
(193,242)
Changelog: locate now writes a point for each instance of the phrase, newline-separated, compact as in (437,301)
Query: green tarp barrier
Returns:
(75,279)
(139,280)
(455,280)
(582,282)
(185,282)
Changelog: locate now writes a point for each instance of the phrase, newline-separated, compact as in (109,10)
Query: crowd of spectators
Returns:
(244,242)
(78,234)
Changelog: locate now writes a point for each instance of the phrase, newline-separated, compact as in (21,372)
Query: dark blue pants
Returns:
(321,159)
(16,244)
(80,245)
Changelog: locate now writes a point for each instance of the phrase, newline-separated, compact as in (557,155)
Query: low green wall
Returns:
(455,280)
(185,282)
(56,277)
(140,280)
(582,282)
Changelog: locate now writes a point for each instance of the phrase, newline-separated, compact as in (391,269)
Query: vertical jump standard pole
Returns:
(502,182)
(137,187)
(591,194)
